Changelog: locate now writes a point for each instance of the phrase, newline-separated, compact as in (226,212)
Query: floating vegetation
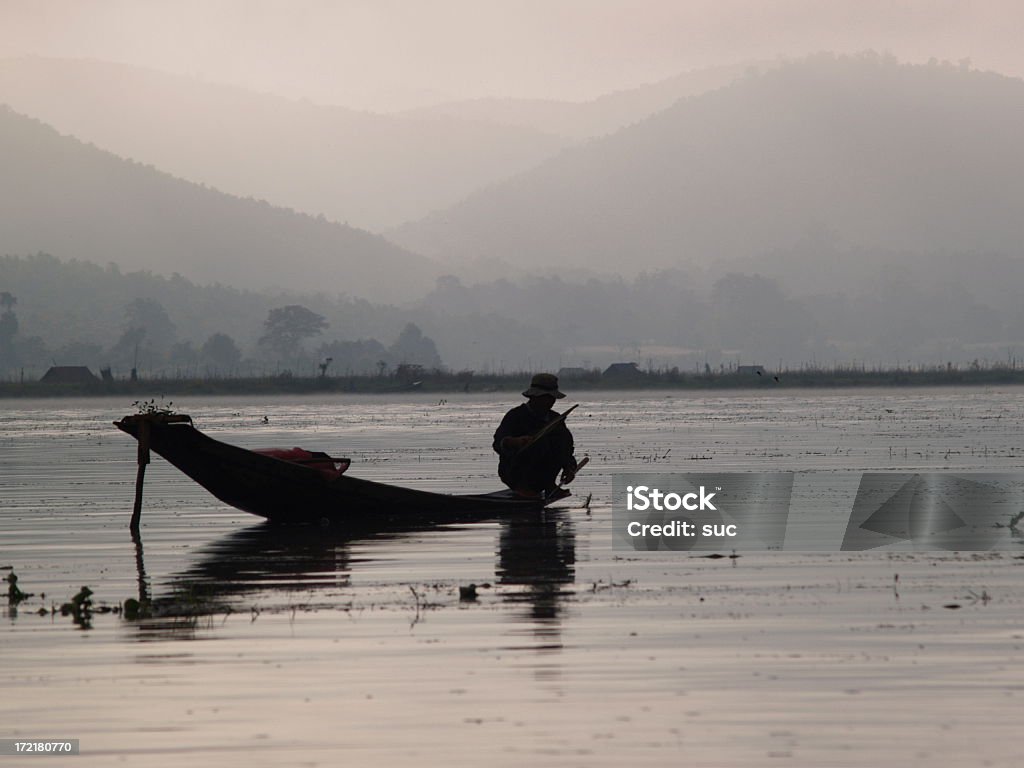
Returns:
(151,407)
(133,610)
(80,608)
(14,593)
(653,456)
(586,502)
(984,598)
(600,585)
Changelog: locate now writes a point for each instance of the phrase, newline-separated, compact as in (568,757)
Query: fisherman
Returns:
(530,467)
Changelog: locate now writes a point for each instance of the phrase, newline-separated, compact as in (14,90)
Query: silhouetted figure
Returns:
(530,466)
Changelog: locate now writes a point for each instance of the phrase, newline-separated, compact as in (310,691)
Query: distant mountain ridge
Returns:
(369,170)
(78,202)
(586,119)
(859,150)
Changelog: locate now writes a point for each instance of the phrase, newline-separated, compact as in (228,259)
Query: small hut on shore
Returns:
(69,374)
(570,374)
(622,372)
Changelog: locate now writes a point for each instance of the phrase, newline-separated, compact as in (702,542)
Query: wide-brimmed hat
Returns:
(543,384)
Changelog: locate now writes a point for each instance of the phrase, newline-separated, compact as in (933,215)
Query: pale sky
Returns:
(390,54)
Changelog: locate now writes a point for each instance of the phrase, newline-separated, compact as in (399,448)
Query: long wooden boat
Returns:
(300,486)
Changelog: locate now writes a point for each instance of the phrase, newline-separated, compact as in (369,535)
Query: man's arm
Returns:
(563,447)
(507,440)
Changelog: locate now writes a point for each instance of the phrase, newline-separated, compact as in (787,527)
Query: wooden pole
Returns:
(143,460)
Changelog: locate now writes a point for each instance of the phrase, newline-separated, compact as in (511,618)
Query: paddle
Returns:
(540,433)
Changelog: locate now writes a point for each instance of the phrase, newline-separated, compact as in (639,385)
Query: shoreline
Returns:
(454,383)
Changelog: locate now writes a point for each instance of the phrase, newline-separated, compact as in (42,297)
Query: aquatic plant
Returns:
(151,407)
(80,608)
(133,610)
(14,593)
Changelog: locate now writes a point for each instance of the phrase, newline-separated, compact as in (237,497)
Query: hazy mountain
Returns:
(75,201)
(861,151)
(585,119)
(365,169)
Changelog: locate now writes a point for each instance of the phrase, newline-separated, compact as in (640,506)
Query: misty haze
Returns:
(847,209)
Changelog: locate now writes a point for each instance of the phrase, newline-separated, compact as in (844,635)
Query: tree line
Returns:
(149,340)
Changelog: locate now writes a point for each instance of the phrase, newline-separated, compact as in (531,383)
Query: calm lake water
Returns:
(309,647)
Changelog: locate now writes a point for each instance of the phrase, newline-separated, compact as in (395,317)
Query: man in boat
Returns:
(529,466)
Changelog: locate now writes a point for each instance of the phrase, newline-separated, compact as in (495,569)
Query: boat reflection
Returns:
(313,567)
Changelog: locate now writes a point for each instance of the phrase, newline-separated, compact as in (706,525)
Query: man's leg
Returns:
(531,478)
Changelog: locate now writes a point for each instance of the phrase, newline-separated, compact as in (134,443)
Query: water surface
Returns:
(314,647)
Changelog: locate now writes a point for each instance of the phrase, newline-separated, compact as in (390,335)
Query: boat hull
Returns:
(285,491)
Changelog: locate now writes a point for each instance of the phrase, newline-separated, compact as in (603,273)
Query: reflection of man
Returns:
(530,467)
(538,553)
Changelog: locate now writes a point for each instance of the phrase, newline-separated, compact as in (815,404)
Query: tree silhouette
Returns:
(287,327)
(414,348)
(220,352)
(150,316)
(8,330)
